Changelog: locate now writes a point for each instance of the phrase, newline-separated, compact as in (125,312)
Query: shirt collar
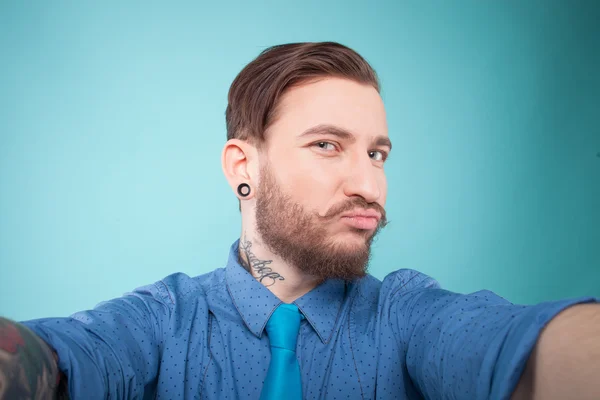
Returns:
(255,303)
(322,307)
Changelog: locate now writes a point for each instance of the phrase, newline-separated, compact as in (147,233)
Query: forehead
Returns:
(355,107)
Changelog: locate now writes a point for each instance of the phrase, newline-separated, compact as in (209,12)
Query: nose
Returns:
(363,180)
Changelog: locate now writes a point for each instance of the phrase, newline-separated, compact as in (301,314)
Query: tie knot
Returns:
(283,327)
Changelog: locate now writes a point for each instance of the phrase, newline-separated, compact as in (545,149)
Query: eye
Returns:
(377,155)
(325,146)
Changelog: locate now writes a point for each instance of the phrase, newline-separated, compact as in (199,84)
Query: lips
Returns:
(362,219)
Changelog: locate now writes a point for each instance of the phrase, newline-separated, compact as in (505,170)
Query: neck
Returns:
(285,281)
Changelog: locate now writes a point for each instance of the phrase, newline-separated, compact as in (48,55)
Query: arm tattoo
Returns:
(249,260)
(28,366)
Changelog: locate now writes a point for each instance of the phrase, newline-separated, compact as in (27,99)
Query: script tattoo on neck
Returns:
(265,274)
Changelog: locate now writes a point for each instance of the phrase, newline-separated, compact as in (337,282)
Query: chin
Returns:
(353,239)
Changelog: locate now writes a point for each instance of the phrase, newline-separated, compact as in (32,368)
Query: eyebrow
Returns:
(343,134)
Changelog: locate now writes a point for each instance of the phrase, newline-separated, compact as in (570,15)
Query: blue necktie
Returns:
(283,377)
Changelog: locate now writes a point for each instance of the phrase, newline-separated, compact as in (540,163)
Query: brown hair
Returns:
(255,92)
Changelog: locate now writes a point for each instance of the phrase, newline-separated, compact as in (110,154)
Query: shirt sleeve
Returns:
(113,350)
(471,346)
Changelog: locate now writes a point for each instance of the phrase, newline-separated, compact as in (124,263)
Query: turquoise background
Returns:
(112,124)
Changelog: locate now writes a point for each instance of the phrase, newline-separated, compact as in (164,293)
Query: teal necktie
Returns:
(283,377)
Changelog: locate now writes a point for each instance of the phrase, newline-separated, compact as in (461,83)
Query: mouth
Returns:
(361,219)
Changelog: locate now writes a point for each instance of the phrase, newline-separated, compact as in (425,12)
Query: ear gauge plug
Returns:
(243,189)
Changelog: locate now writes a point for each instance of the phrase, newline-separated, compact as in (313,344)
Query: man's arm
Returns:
(565,363)
(478,345)
(113,350)
(28,366)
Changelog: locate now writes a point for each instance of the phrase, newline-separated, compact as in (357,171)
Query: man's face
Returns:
(322,185)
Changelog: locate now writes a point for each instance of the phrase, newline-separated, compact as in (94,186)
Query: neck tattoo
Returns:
(264,273)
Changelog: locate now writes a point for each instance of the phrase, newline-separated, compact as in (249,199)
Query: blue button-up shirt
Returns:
(204,337)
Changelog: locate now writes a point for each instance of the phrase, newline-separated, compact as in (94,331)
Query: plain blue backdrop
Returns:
(112,125)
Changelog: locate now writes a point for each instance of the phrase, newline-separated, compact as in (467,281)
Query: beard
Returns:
(301,239)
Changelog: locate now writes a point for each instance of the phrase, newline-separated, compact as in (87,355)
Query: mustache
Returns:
(357,202)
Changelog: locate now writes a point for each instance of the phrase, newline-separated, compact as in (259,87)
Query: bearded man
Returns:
(294,313)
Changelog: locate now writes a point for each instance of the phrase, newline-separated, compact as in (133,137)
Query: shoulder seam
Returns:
(408,281)
(167,289)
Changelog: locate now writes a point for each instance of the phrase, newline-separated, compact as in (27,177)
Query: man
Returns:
(293,314)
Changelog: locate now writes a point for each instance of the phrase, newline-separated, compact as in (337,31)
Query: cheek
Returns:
(310,184)
(310,187)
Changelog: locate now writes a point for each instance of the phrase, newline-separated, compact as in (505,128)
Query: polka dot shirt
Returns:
(204,338)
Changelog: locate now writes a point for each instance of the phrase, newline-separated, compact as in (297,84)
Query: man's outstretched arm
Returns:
(479,345)
(28,366)
(565,363)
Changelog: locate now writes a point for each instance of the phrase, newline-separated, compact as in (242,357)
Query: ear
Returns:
(239,161)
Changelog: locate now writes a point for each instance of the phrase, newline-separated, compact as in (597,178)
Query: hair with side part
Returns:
(256,91)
